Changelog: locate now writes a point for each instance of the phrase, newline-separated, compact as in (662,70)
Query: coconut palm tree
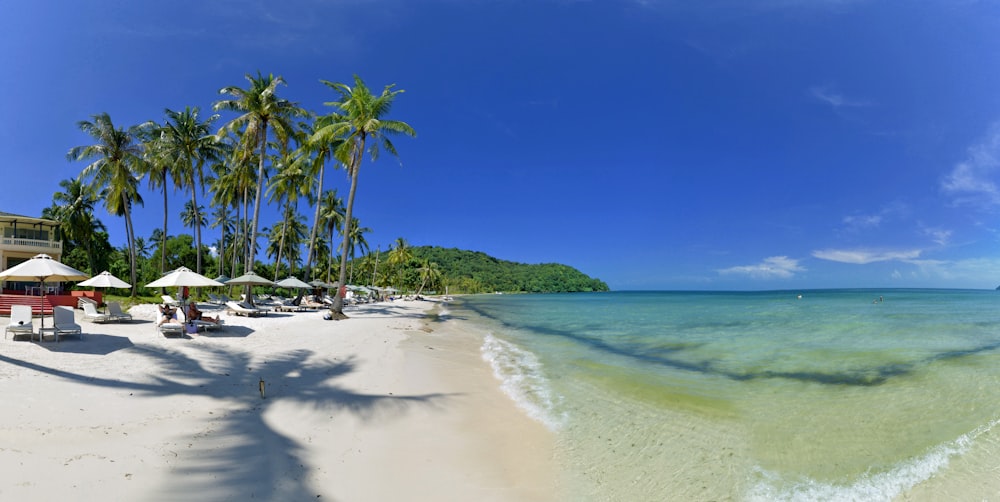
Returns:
(317,153)
(400,256)
(359,118)
(358,242)
(187,143)
(286,186)
(74,208)
(332,217)
(160,170)
(193,217)
(429,273)
(260,110)
(117,160)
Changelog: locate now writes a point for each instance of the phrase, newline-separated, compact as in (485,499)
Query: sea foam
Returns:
(874,486)
(522,379)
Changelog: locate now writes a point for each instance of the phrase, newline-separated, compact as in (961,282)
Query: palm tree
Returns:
(193,217)
(117,160)
(318,152)
(360,119)
(400,256)
(222,221)
(287,185)
(74,208)
(332,215)
(429,272)
(358,242)
(160,168)
(260,108)
(187,144)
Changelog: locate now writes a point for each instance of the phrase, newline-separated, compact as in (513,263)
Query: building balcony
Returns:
(30,245)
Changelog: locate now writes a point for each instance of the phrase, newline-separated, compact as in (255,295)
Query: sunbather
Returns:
(193,314)
(167,314)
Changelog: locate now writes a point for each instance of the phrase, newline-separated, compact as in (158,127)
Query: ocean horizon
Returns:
(812,394)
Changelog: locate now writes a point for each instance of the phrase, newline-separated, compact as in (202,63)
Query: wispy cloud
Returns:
(831,96)
(859,221)
(971,181)
(865,256)
(780,267)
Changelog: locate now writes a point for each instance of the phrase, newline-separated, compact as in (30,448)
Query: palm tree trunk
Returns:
(312,239)
(256,208)
(131,246)
(338,300)
(281,243)
(163,238)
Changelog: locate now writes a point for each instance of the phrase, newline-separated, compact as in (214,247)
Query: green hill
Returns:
(476,272)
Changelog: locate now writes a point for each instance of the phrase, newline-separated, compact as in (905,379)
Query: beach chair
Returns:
(169,300)
(91,314)
(65,323)
(242,309)
(20,321)
(116,314)
(201,325)
(215,299)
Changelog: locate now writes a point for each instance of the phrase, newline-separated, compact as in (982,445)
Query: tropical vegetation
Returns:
(262,149)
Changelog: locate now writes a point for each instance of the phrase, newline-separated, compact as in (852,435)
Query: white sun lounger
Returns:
(242,309)
(116,314)
(20,321)
(65,323)
(91,314)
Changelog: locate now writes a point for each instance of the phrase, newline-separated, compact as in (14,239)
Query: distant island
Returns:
(476,272)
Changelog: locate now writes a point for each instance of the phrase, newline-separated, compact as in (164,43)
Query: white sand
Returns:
(382,406)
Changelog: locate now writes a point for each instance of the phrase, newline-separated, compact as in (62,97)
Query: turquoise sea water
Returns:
(833,395)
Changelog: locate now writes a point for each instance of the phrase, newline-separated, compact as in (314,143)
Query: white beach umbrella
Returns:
(293,282)
(105,280)
(250,279)
(222,278)
(42,268)
(183,277)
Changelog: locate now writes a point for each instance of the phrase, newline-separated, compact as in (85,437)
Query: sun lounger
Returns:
(91,314)
(201,325)
(169,300)
(171,328)
(243,309)
(64,322)
(116,314)
(20,321)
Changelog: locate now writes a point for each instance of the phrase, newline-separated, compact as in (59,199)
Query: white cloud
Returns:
(938,235)
(971,181)
(829,95)
(865,256)
(781,267)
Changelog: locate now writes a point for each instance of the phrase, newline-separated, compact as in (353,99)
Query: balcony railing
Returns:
(17,244)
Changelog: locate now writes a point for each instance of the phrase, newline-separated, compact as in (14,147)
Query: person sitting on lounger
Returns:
(167,314)
(193,314)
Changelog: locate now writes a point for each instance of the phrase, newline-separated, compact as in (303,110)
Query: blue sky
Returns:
(768,144)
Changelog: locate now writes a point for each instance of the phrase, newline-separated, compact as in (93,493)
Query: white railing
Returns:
(16,243)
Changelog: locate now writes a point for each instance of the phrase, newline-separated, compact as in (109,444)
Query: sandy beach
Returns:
(392,404)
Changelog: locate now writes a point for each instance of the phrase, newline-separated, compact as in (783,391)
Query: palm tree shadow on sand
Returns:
(237,455)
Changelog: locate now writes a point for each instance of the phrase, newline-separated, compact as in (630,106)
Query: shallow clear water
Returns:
(756,396)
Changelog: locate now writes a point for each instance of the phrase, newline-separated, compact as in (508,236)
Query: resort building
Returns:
(22,237)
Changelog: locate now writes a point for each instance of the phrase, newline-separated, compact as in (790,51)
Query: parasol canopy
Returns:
(183,277)
(42,268)
(249,279)
(105,280)
(293,282)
